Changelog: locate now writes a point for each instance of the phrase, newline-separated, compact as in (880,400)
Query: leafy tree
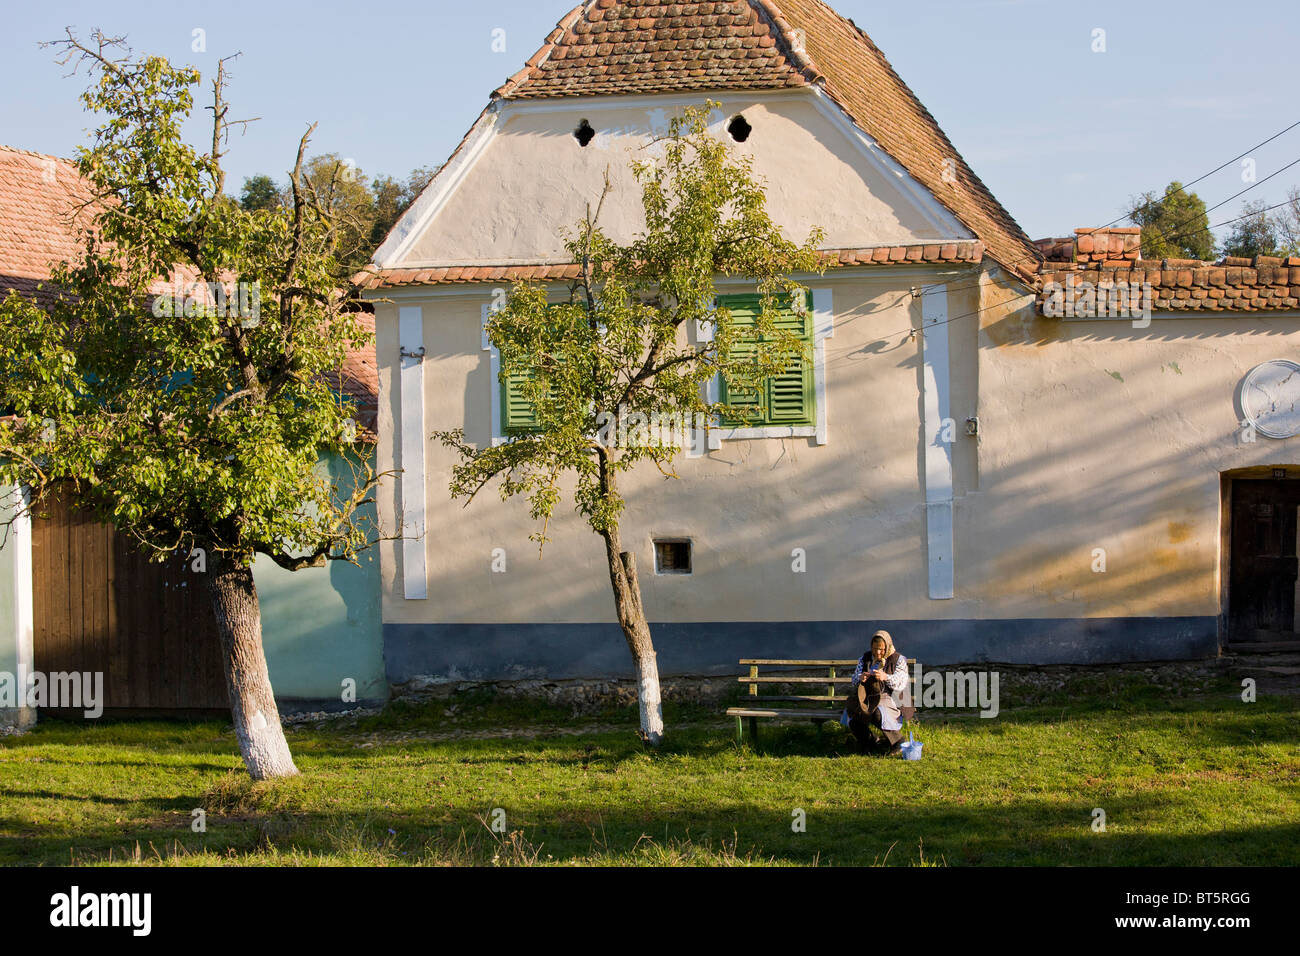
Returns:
(616,352)
(259,192)
(362,212)
(190,424)
(1255,234)
(1288,224)
(1174,226)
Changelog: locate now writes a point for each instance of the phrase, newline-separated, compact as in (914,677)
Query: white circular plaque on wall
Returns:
(1270,397)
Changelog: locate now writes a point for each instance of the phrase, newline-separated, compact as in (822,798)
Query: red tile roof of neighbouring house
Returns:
(1111,256)
(41,213)
(605,47)
(40,198)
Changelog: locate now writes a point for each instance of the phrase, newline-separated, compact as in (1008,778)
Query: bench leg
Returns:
(753,729)
(740,729)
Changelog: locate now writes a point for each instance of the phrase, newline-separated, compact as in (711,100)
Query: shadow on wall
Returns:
(1074,457)
(322,626)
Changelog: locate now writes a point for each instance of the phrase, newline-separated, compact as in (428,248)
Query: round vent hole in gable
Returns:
(584,134)
(740,129)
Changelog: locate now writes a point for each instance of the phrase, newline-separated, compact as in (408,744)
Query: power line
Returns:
(912,330)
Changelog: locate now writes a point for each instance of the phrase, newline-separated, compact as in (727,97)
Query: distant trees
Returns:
(1262,231)
(362,210)
(1174,224)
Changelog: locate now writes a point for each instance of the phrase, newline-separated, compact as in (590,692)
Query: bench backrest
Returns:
(833,674)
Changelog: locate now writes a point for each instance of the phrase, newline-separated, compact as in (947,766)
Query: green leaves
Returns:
(625,344)
(186,426)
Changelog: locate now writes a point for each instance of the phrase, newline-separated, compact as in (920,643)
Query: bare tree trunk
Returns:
(631,617)
(252,704)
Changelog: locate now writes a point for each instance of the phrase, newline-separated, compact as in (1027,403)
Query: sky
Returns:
(1063,123)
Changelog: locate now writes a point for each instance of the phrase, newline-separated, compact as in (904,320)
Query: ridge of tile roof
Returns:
(603,47)
(610,47)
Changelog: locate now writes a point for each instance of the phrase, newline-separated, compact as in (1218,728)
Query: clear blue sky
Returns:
(1061,134)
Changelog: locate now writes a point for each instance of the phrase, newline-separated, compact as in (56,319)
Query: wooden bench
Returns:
(826,705)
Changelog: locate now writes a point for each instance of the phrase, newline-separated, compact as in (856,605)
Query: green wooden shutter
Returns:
(791,397)
(786,399)
(517,412)
(749,402)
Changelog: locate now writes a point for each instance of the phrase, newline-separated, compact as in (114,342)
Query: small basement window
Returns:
(584,134)
(739,129)
(673,556)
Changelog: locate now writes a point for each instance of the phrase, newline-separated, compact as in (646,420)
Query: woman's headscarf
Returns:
(889,643)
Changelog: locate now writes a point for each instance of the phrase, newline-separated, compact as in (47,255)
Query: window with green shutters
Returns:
(789,398)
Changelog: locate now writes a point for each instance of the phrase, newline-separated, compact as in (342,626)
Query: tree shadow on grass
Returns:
(1141,831)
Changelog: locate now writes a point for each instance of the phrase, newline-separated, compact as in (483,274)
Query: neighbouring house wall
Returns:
(321,626)
(15,610)
(1099,435)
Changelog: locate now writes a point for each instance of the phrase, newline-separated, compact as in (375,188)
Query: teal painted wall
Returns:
(322,625)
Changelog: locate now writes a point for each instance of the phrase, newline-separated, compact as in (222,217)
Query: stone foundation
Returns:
(1020,685)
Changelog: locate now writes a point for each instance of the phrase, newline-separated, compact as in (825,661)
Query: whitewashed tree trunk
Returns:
(631,617)
(648,699)
(252,703)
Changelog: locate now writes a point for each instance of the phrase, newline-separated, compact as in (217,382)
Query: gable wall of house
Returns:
(531,178)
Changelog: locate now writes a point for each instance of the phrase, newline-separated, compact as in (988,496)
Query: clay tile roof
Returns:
(1110,258)
(39,219)
(359,380)
(40,215)
(625,46)
(636,46)
(965,251)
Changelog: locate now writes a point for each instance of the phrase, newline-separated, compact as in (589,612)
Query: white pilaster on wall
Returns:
(703,336)
(823,328)
(494,365)
(411,342)
(937,452)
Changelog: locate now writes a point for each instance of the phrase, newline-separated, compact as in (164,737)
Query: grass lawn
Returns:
(1203,779)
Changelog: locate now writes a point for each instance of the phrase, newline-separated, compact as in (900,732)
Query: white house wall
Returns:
(523,175)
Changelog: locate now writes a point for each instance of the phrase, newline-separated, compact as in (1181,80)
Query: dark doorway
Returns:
(1263,568)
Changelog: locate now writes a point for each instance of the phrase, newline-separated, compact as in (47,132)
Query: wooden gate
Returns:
(101,605)
(1262,590)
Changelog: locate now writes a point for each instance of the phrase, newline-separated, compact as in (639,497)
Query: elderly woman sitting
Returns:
(879,697)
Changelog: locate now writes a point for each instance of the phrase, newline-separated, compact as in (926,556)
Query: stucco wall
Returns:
(1097,434)
(533,176)
(1091,435)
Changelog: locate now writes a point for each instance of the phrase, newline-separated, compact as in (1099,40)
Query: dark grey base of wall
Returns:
(557,651)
